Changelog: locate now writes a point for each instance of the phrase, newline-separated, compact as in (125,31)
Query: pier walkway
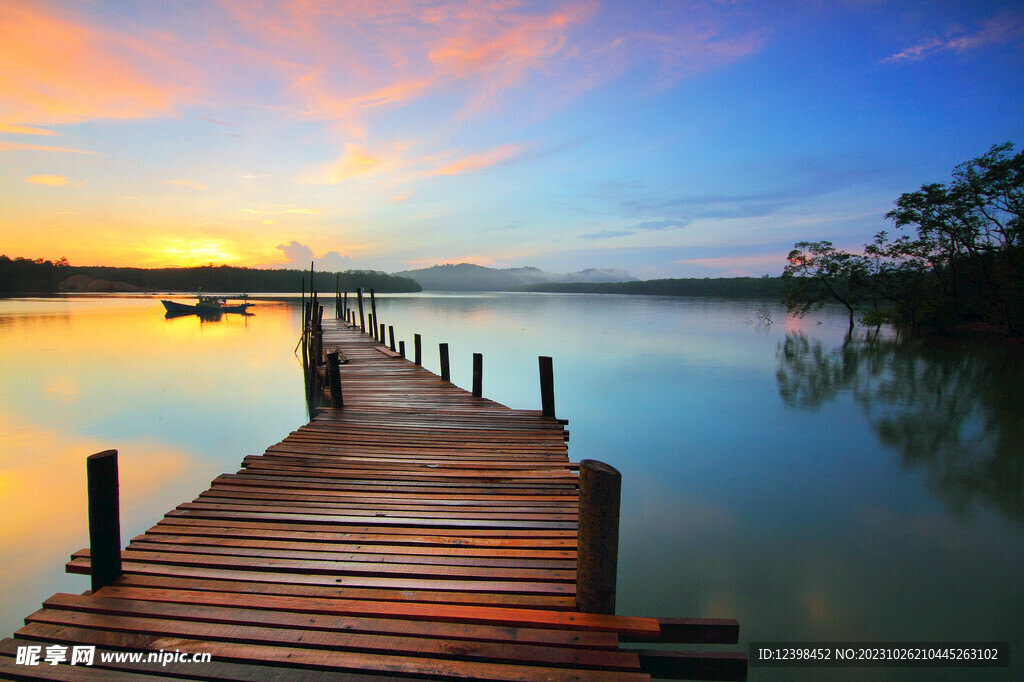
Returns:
(417,533)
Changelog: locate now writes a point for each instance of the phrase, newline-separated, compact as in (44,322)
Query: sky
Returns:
(669,139)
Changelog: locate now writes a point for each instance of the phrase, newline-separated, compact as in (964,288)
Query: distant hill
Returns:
(467,277)
(729,287)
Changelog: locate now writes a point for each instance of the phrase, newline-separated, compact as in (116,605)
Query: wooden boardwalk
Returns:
(418,533)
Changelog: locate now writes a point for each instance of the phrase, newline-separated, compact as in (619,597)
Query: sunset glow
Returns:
(696,138)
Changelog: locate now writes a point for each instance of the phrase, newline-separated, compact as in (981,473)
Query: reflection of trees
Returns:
(955,409)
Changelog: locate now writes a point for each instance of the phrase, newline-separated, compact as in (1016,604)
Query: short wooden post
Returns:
(104,518)
(401,348)
(362,318)
(391,335)
(334,375)
(547,387)
(478,374)
(381,337)
(446,374)
(417,345)
(597,554)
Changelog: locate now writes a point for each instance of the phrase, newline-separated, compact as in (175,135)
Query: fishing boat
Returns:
(207,305)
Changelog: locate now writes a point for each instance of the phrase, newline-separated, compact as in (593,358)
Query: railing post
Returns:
(478,375)
(417,343)
(104,518)
(391,335)
(547,387)
(597,554)
(334,375)
(446,374)
(362,318)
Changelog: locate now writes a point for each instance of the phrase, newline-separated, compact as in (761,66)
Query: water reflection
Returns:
(953,409)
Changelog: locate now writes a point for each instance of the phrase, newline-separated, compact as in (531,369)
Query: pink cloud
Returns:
(58,69)
(477,162)
(1003,29)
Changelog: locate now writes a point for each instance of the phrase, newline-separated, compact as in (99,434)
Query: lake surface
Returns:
(813,489)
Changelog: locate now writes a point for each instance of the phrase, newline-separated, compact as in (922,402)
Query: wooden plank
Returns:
(407,610)
(313,635)
(320,658)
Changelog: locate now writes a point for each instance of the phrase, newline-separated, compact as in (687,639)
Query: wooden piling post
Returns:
(391,336)
(417,344)
(381,337)
(597,554)
(401,348)
(373,311)
(478,374)
(104,518)
(446,374)
(547,387)
(344,307)
(362,318)
(334,375)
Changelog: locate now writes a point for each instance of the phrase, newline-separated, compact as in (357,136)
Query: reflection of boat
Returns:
(206,305)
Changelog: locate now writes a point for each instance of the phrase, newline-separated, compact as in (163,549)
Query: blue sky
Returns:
(671,139)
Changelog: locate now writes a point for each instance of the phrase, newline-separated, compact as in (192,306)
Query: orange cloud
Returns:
(53,180)
(21,146)
(355,161)
(24,130)
(477,162)
(58,70)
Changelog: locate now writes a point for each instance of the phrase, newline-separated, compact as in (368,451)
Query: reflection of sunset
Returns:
(43,480)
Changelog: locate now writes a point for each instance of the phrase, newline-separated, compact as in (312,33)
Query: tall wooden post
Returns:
(478,374)
(597,554)
(391,336)
(373,311)
(547,387)
(446,374)
(344,307)
(104,518)
(362,318)
(334,375)
(417,344)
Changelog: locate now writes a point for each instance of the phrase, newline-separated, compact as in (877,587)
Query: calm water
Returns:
(813,491)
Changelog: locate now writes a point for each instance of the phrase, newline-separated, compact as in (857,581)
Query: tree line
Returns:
(726,287)
(957,261)
(24,276)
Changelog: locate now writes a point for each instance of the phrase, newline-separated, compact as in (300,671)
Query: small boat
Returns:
(206,305)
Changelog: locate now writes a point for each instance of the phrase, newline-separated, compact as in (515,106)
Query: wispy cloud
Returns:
(52,180)
(1007,28)
(477,162)
(187,183)
(61,69)
(355,161)
(15,129)
(21,146)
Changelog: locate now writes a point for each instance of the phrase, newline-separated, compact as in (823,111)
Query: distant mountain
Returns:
(467,277)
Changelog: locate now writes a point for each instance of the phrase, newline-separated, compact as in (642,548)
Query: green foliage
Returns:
(963,266)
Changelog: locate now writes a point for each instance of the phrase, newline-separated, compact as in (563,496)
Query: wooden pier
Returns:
(417,532)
